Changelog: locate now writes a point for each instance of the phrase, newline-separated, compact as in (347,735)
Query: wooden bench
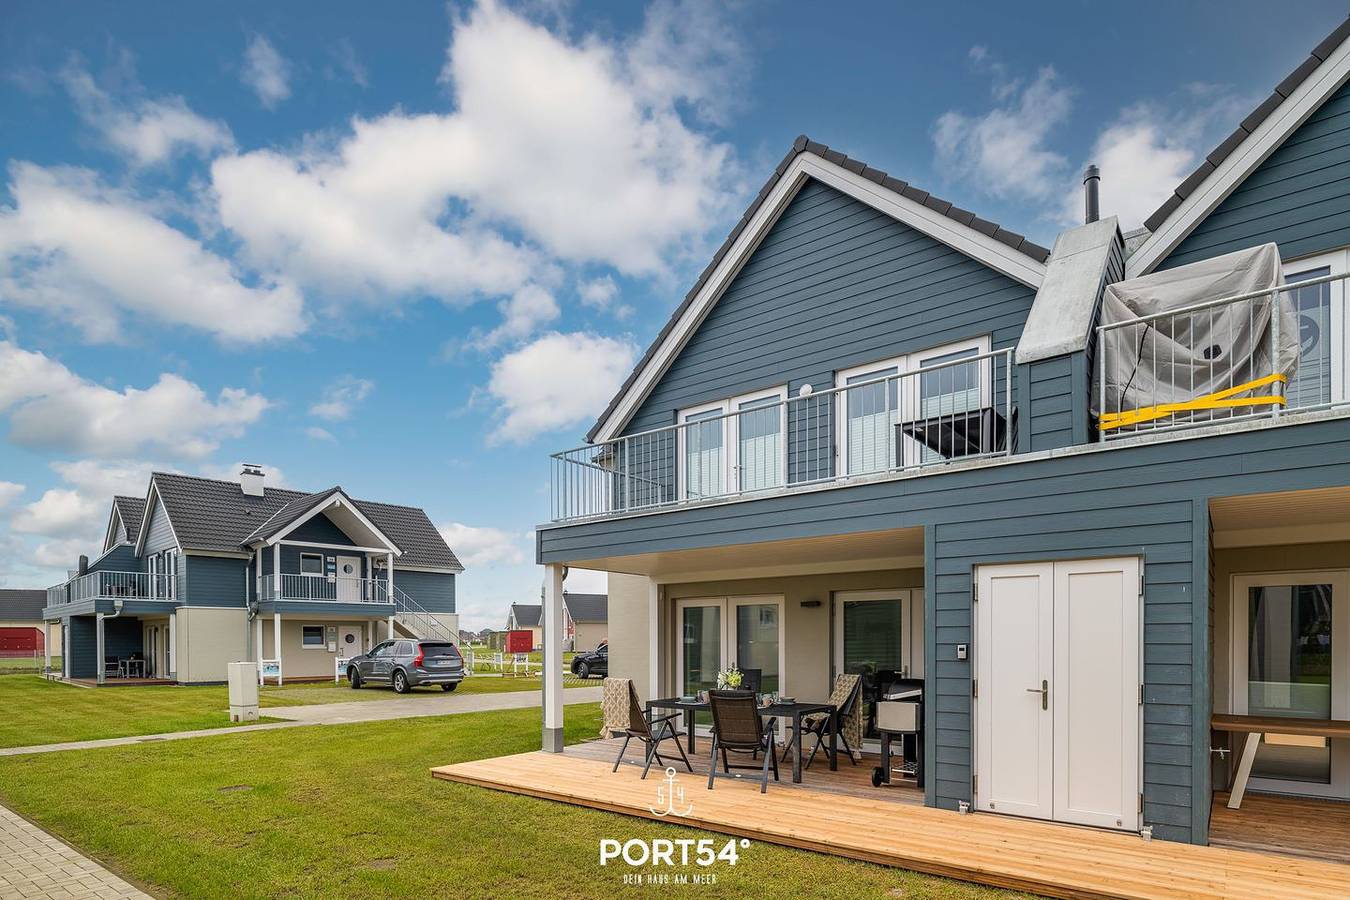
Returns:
(1256,727)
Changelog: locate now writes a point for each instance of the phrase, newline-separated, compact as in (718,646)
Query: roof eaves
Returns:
(804,144)
(1286,87)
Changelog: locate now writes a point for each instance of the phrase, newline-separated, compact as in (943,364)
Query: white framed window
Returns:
(734,445)
(883,394)
(1323,330)
(311,564)
(311,637)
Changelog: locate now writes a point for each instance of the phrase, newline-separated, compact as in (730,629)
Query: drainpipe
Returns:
(98,635)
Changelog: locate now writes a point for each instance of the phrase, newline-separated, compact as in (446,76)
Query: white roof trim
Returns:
(981,247)
(1265,140)
(96,559)
(108,542)
(150,500)
(337,498)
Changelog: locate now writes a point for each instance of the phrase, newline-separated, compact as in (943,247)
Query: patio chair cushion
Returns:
(852,725)
(614,705)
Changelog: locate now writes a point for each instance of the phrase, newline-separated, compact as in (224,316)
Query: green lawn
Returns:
(37,711)
(278,813)
(10,664)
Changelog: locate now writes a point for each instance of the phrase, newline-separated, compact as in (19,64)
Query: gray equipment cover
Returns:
(1177,358)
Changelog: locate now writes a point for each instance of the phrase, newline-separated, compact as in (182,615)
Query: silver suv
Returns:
(405,664)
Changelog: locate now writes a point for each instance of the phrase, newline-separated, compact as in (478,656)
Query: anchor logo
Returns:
(670,796)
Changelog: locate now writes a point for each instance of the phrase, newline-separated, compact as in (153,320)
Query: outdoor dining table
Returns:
(794,712)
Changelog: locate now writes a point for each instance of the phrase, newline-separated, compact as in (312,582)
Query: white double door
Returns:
(715,633)
(1057,706)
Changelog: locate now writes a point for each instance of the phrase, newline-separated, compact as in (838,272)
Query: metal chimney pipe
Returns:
(1091,204)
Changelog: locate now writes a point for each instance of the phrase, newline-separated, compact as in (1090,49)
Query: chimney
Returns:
(251,480)
(83,565)
(1091,206)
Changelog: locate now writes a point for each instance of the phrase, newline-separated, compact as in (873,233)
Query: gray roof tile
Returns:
(587,608)
(1253,120)
(208,514)
(130,509)
(22,604)
(527,615)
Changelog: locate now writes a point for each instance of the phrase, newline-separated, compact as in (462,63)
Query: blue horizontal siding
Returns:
(1299,197)
(216,581)
(121,558)
(834,284)
(433,591)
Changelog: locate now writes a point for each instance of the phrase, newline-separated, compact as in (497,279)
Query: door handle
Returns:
(1044,691)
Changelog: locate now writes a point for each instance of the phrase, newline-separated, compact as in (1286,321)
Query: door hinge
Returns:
(1141,582)
(974,785)
(1141,802)
(1141,695)
(974,687)
(975,591)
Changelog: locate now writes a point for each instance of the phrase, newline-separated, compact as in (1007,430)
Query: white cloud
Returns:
(266,72)
(314,432)
(9,490)
(51,407)
(556,381)
(341,398)
(483,546)
(557,149)
(1004,151)
(74,515)
(598,293)
(146,131)
(347,62)
(59,512)
(523,313)
(74,247)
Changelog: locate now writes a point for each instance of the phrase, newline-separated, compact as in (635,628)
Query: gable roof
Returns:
(1295,98)
(587,608)
(208,514)
(526,615)
(986,241)
(130,510)
(22,604)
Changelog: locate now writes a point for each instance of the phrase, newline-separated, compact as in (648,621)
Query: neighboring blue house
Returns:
(200,573)
(869,441)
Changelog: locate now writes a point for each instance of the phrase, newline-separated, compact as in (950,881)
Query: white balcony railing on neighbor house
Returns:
(957,409)
(338,589)
(1177,369)
(114,586)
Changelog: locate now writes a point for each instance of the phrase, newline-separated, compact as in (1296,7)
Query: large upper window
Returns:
(734,445)
(311,563)
(1323,332)
(926,396)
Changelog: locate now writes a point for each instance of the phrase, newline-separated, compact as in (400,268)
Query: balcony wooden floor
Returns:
(1296,826)
(879,826)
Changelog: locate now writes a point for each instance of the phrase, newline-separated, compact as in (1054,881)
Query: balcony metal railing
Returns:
(336,588)
(114,586)
(1178,369)
(959,409)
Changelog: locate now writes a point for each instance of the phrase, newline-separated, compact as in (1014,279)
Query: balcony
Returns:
(332,588)
(1242,358)
(956,409)
(113,586)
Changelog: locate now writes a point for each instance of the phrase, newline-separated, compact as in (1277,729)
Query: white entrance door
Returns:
(1291,658)
(1057,707)
(349,641)
(349,579)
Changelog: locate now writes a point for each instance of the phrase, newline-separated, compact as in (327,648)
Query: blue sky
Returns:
(412,254)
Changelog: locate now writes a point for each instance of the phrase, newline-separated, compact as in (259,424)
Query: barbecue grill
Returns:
(899,715)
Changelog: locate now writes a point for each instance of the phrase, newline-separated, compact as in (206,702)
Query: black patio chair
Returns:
(651,731)
(738,728)
(847,689)
(751,680)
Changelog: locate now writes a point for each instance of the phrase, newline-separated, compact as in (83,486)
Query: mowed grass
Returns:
(353,811)
(37,711)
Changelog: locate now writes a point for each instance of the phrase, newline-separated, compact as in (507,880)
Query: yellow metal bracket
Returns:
(1219,400)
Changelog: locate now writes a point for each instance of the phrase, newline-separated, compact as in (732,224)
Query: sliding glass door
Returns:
(1291,659)
(879,636)
(715,633)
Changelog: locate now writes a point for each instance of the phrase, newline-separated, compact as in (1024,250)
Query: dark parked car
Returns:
(405,664)
(592,662)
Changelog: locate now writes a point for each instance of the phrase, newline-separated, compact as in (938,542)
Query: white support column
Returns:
(276,642)
(257,573)
(553,641)
(47,646)
(257,640)
(98,646)
(370,634)
(389,563)
(173,645)
(653,639)
(276,574)
(391,628)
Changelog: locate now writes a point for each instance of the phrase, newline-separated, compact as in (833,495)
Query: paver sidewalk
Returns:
(35,864)
(395,707)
